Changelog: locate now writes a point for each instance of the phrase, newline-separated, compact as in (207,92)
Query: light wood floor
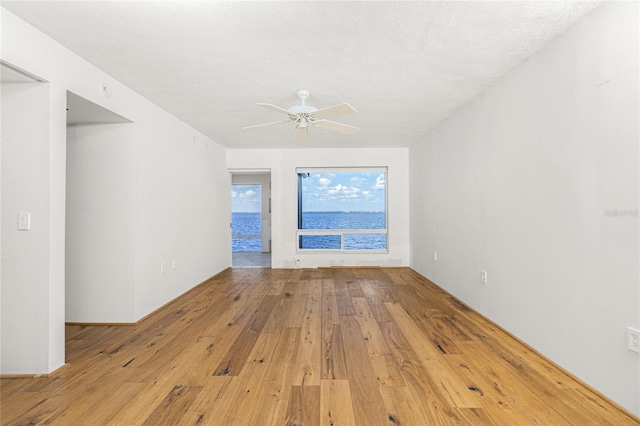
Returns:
(305,347)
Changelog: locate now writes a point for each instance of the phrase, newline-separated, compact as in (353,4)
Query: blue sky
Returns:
(245,198)
(353,191)
(359,191)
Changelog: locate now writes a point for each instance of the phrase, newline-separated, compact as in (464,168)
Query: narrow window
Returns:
(342,209)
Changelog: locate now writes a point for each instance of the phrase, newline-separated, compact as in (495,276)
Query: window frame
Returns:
(341,232)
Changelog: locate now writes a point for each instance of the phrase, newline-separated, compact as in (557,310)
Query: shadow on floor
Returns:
(250,259)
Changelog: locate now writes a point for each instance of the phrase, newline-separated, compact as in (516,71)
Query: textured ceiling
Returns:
(405,66)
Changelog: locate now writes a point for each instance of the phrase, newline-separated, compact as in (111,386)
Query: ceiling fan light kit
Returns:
(304,114)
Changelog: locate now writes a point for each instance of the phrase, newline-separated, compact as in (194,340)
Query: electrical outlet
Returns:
(633,339)
(435,256)
(163,268)
(174,263)
(297,262)
(483,276)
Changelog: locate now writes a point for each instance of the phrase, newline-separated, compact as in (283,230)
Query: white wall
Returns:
(181,186)
(100,223)
(25,154)
(519,183)
(284,196)
(264,180)
(182,211)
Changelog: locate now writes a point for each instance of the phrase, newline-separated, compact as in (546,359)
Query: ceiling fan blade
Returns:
(334,111)
(277,108)
(338,127)
(300,133)
(265,124)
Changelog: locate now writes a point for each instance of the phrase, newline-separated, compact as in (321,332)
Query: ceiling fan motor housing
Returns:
(301,109)
(303,94)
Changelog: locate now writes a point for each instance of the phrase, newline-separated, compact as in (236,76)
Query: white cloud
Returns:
(344,191)
(379,182)
(324,181)
(250,194)
(234,194)
(340,189)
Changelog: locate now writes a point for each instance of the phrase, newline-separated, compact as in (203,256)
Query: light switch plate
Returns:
(24,221)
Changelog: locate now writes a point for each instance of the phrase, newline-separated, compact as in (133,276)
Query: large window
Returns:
(246,220)
(342,209)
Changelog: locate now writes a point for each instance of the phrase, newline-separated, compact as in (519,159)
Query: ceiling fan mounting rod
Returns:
(303,94)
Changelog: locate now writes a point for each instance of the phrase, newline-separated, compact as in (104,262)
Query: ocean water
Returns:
(343,220)
(250,223)
(246,224)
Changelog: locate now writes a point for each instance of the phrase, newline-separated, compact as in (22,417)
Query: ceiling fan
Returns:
(305,115)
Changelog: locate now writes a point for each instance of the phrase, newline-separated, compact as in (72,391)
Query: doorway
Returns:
(100,199)
(251,219)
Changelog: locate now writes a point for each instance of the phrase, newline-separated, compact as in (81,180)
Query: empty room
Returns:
(320,213)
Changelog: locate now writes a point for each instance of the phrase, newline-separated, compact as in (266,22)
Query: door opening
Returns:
(251,220)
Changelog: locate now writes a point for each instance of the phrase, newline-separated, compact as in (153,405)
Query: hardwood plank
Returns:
(397,276)
(275,389)
(30,409)
(476,416)
(412,332)
(212,397)
(343,299)
(330,312)
(497,405)
(237,355)
(508,384)
(449,385)
(367,402)
(375,301)
(429,400)
(354,288)
(332,348)
(384,364)
(371,346)
(143,404)
(335,403)
(308,365)
(246,394)
(99,403)
(400,406)
(304,406)
(279,315)
(174,406)
(297,306)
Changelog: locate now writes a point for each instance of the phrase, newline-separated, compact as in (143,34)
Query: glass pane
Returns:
(246,207)
(327,242)
(342,200)
(246,224)
(365,241)
(334,200)
(343,220)
(246,244)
